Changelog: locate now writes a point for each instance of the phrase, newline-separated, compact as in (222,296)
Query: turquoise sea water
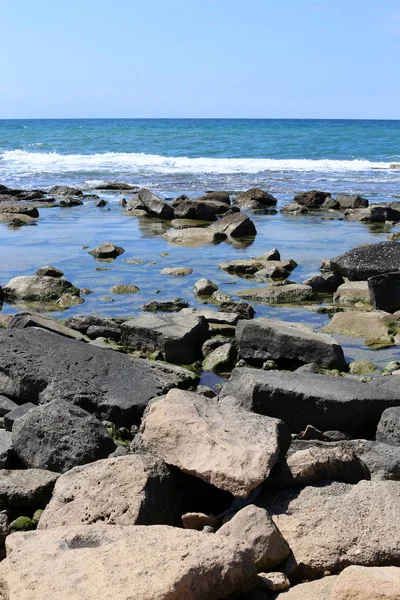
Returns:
(191,156)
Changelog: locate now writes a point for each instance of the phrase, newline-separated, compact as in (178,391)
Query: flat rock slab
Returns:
(128,490)
(115,562)
(293,293)
(300,399)
(213,316)
(39,365)
(368,260)
(312,590)
(26,487)
(265,339)
(179,338)
(194,237)
(337,525)
(228,447)
(25,319)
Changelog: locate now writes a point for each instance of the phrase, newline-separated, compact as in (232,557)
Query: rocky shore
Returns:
(124,476)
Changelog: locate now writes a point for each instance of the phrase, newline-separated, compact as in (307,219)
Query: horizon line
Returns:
(198,119)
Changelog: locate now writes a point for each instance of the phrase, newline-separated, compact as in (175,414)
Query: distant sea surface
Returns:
(192,155)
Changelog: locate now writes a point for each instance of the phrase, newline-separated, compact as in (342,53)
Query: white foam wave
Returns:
(22,162)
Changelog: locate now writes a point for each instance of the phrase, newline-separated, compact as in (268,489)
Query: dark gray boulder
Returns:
(255,199)
(236,225)
(352,201)
(26,487)
(363,262)
(188,208)
(42,366)
(241,308)
(311,199)
(49,271)
(17,413)
(301,398)
(6,405)
(385,291)
(69,202)
(178,337)
(327,283)
(107,251)
(154,205)
(64,190)
(388,430)
(59,436)
(6,449)
(264,339)
(25,319)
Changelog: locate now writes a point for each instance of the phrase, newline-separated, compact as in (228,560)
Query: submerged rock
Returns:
(375,327)
(177,271)
(293,293)
(194,237)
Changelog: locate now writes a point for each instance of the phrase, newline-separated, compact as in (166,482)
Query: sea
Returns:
(191,156)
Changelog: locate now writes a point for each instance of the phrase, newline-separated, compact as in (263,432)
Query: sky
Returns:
(200,58)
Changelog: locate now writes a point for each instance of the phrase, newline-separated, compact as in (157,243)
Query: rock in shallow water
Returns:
(110,562)
(368,260)
(264,339)
(228,447)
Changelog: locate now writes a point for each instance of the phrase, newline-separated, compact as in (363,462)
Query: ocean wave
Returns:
(22,162)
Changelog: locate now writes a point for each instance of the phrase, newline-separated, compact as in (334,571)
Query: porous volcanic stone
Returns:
(228,447)
(302,398)
(265,339)
(38,365)
(116,562)
(58,436)
(368,260)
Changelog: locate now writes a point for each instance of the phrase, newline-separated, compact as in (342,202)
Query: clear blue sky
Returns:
(200,58)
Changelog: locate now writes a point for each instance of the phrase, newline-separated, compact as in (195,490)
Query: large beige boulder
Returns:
(312,590)
(254,526)
(352,292)
(337,525)
(227,446)
(367,583)
(104,562)
(127,490)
